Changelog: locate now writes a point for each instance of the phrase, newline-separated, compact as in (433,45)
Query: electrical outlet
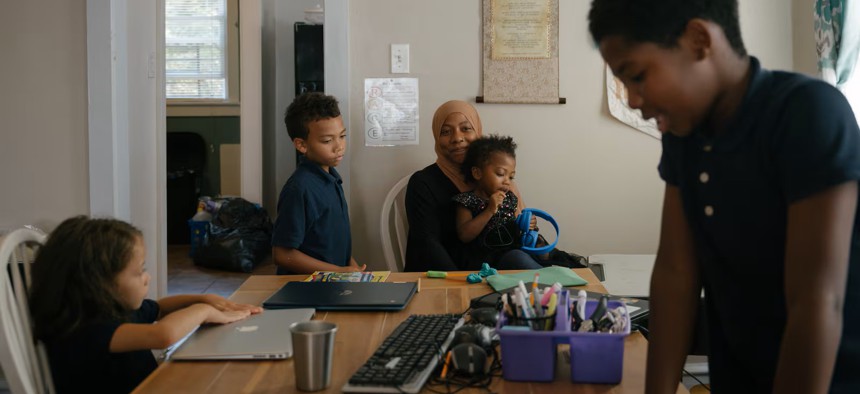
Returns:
(399,58)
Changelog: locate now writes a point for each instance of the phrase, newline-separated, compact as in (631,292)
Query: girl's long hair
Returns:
(74,275)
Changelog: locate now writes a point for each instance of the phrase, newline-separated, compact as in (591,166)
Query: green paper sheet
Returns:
(548,276)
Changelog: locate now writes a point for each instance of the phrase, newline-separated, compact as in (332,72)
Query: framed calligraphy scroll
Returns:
(520,52)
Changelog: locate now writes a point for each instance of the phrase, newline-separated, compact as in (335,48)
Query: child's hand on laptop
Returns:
(224,317)
(224,305)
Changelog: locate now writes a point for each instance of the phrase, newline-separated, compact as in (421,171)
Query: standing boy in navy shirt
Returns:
(760,206)
(312,232)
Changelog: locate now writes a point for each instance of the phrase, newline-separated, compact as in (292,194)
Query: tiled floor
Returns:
(183,277)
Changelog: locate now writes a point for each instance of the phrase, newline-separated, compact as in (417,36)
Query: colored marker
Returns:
(556,287)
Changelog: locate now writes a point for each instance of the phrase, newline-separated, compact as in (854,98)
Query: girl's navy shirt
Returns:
(792,137)
(83,363)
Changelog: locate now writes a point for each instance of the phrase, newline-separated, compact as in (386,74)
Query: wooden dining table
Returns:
(361,332)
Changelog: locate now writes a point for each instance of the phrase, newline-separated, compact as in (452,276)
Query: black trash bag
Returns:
(239,237)
(566,259)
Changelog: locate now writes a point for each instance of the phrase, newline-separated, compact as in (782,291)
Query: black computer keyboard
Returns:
(405,360)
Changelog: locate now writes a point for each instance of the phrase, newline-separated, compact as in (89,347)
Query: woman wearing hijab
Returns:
(433,242)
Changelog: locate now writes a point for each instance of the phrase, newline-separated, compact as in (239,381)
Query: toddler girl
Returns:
(89,308)
(486,216)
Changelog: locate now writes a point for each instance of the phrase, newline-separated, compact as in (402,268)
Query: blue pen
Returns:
(520,299)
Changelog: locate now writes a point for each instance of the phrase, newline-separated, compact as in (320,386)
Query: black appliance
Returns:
(309,58)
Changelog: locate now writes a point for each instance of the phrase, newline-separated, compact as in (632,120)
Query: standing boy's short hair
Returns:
(662,21)
(482,148)
(306,108)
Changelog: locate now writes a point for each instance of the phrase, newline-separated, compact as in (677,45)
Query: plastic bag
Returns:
(239,237)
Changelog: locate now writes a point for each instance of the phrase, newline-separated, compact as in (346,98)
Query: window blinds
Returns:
(196,49)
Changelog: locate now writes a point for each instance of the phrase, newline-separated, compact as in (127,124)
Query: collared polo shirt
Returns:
(792,137)
(313,215)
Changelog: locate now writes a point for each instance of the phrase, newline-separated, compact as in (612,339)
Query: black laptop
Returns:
(341,296)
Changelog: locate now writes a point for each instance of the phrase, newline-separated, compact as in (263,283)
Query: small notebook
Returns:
(261,336)
(547,276)
(364,276)
(368,296)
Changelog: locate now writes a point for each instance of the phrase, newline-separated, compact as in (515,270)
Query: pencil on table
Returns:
(445,274)
(445,367)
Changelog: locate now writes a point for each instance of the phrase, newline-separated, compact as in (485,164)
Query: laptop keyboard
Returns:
(407,357)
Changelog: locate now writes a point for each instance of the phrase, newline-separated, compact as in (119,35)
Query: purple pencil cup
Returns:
(595,357)
(531,355)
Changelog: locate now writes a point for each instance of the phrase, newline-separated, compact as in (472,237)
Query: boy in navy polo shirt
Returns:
(312,232)
(760,206)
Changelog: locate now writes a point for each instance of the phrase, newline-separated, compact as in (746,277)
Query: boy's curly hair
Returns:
(662,21)
(481,149)
(309,107)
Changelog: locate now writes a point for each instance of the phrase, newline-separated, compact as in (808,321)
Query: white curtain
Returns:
(837,37)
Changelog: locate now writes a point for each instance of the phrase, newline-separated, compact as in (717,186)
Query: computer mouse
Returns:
(469,359)
(486,316)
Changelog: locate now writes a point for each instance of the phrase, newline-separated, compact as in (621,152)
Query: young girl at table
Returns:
(486,216)
(89,308)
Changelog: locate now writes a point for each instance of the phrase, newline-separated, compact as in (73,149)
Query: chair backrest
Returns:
(394,203)
(24,361)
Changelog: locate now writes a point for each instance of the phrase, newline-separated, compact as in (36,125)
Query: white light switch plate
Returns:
(399,58)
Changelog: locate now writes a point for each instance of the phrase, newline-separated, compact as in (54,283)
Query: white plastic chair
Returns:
(24,362)
(394,201)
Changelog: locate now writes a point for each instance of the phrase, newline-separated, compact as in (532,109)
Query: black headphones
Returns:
(469,351)
(530,237)
(477,334)
(469,359)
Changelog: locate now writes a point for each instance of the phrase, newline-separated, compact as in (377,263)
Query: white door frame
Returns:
(126,123)
(127,164)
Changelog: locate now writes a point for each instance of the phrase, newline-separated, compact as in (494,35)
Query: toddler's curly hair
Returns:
(481,149)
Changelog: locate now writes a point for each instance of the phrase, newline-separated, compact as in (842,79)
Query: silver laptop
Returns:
(262,336)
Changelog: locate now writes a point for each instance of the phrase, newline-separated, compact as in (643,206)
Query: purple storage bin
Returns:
(531,355)
(597,357)
(528,356)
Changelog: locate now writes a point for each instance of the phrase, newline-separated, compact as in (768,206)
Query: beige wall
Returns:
(803,37)
(596,176)
(43,110)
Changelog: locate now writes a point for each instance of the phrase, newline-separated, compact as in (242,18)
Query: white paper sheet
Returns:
(390,111)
